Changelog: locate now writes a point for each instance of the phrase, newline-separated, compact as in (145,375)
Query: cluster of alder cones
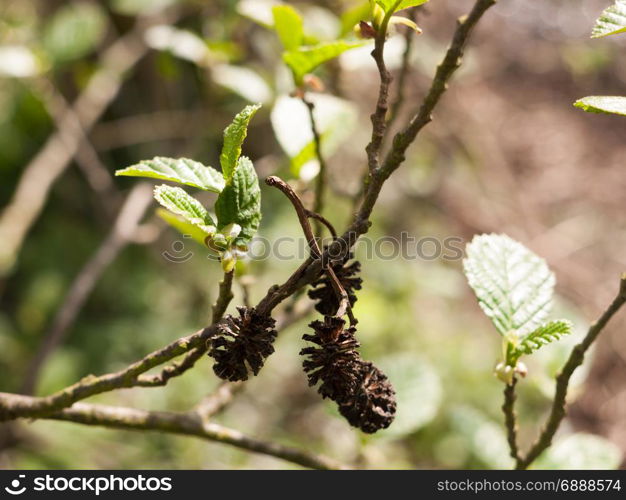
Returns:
(362,392)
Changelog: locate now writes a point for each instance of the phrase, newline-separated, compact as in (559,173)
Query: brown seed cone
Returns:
(242,344)
(363,393)
(373,405)
(335,362)
(324,293)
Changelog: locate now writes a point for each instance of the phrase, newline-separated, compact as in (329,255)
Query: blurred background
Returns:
(87,87)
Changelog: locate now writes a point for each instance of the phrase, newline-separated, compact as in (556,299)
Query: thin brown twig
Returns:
(344,301)
(218,400)
(176,369)
(324,221)
(301,212)
(576,359)
(379,117)
(11,408)
(320,180)
(510,418)
(308,271)
(121,235)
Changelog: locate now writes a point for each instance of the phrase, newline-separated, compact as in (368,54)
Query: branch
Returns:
(379,117)
(447,68)
(576,358)
(186,424)
(310,269)
(122,233)
(320,184)
(176,369)
(224,296)
(216,402)
(11,408)
(51,161)
(510,418)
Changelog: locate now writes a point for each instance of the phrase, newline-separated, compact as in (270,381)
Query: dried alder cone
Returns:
(324,293)
(363,393)
(335,362)
(242,344)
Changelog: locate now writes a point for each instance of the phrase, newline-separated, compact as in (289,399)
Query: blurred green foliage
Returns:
(417,317)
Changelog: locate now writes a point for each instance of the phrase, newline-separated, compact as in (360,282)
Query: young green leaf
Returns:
(182,226)
(178,201)
(396,5)
(514,286)
(240,202)
(289,26)
(603,104)
(305,59)
(543,335)
(181,170)
(612,21)
(234,135)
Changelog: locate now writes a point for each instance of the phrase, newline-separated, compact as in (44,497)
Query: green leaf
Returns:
(514,286)
(543,335)
(240,202)
(234,135)
(185,228)
(289,26)
(603,104)
(74,30)
(396,5)
(612,21)
(305,59)
(181,170)
(177,200)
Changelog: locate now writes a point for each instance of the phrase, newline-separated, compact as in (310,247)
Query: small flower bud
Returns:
(521,369)
(231,231)
(505,372)
(228,261)
(313,83)
(364,30)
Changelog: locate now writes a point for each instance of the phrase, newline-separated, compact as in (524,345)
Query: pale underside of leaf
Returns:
(614,105)
(234,135)
(187,229)
(181,170)
(514,287)
(178,201)
(612,21)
